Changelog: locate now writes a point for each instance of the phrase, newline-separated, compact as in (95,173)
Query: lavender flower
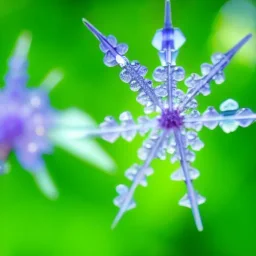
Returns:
(30,126)
(175,128)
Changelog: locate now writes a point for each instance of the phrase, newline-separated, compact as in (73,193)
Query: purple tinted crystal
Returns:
(170,119)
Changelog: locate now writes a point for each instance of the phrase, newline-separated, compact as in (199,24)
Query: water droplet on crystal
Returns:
(205,90)
(143,121)
(160,74)
(135,86)
(245,112)
(109,122)
(192,81)
(217,57)
(122,190)
(211,113)
(229,105)
(161,91)
(186,202)
(109,60)
(190,156)
(229,125)
(142,71)
(178,74)
(125,76)
(122,48)
(206,69)
(179,174)
(112,40)
(135,64)
(126,122)
(194,125)
(143,99)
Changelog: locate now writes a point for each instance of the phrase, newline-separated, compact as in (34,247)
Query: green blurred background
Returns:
(78,223)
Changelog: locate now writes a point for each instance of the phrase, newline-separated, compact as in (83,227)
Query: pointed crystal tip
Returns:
(167,18)
(238,46)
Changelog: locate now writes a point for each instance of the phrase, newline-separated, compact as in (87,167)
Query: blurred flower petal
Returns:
(45,184)
(87,150)
(51,80)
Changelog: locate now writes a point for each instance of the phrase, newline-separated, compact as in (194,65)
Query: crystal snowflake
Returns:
(174,127)
(30,126)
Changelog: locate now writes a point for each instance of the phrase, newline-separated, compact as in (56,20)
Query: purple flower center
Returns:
(11,128)
(170,119)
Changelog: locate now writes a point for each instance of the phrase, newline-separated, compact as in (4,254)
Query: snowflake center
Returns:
(12,127)
(170,119)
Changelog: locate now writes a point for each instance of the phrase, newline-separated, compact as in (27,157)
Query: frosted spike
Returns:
(160,74)
(179,174)
(123,190)
(127,121)
(211,113)
(228,106)
(108,46)
(109,122)
(186,202)
(132,172)
(245,112)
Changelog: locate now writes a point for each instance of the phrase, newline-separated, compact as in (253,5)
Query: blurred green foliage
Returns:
(78,223)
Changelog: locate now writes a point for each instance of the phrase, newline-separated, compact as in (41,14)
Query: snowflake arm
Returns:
(124,200)
(51,80)
(229,118)
(110,130)
(132,72)
(192,195)
(17,77)
(210,73)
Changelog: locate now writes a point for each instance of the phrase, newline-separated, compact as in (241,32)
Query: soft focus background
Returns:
(78,223)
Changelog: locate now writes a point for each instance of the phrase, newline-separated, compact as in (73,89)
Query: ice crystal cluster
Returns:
(174,128)
(30,126)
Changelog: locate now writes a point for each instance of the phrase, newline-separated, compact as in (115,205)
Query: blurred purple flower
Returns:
(175,120)
(30,126)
